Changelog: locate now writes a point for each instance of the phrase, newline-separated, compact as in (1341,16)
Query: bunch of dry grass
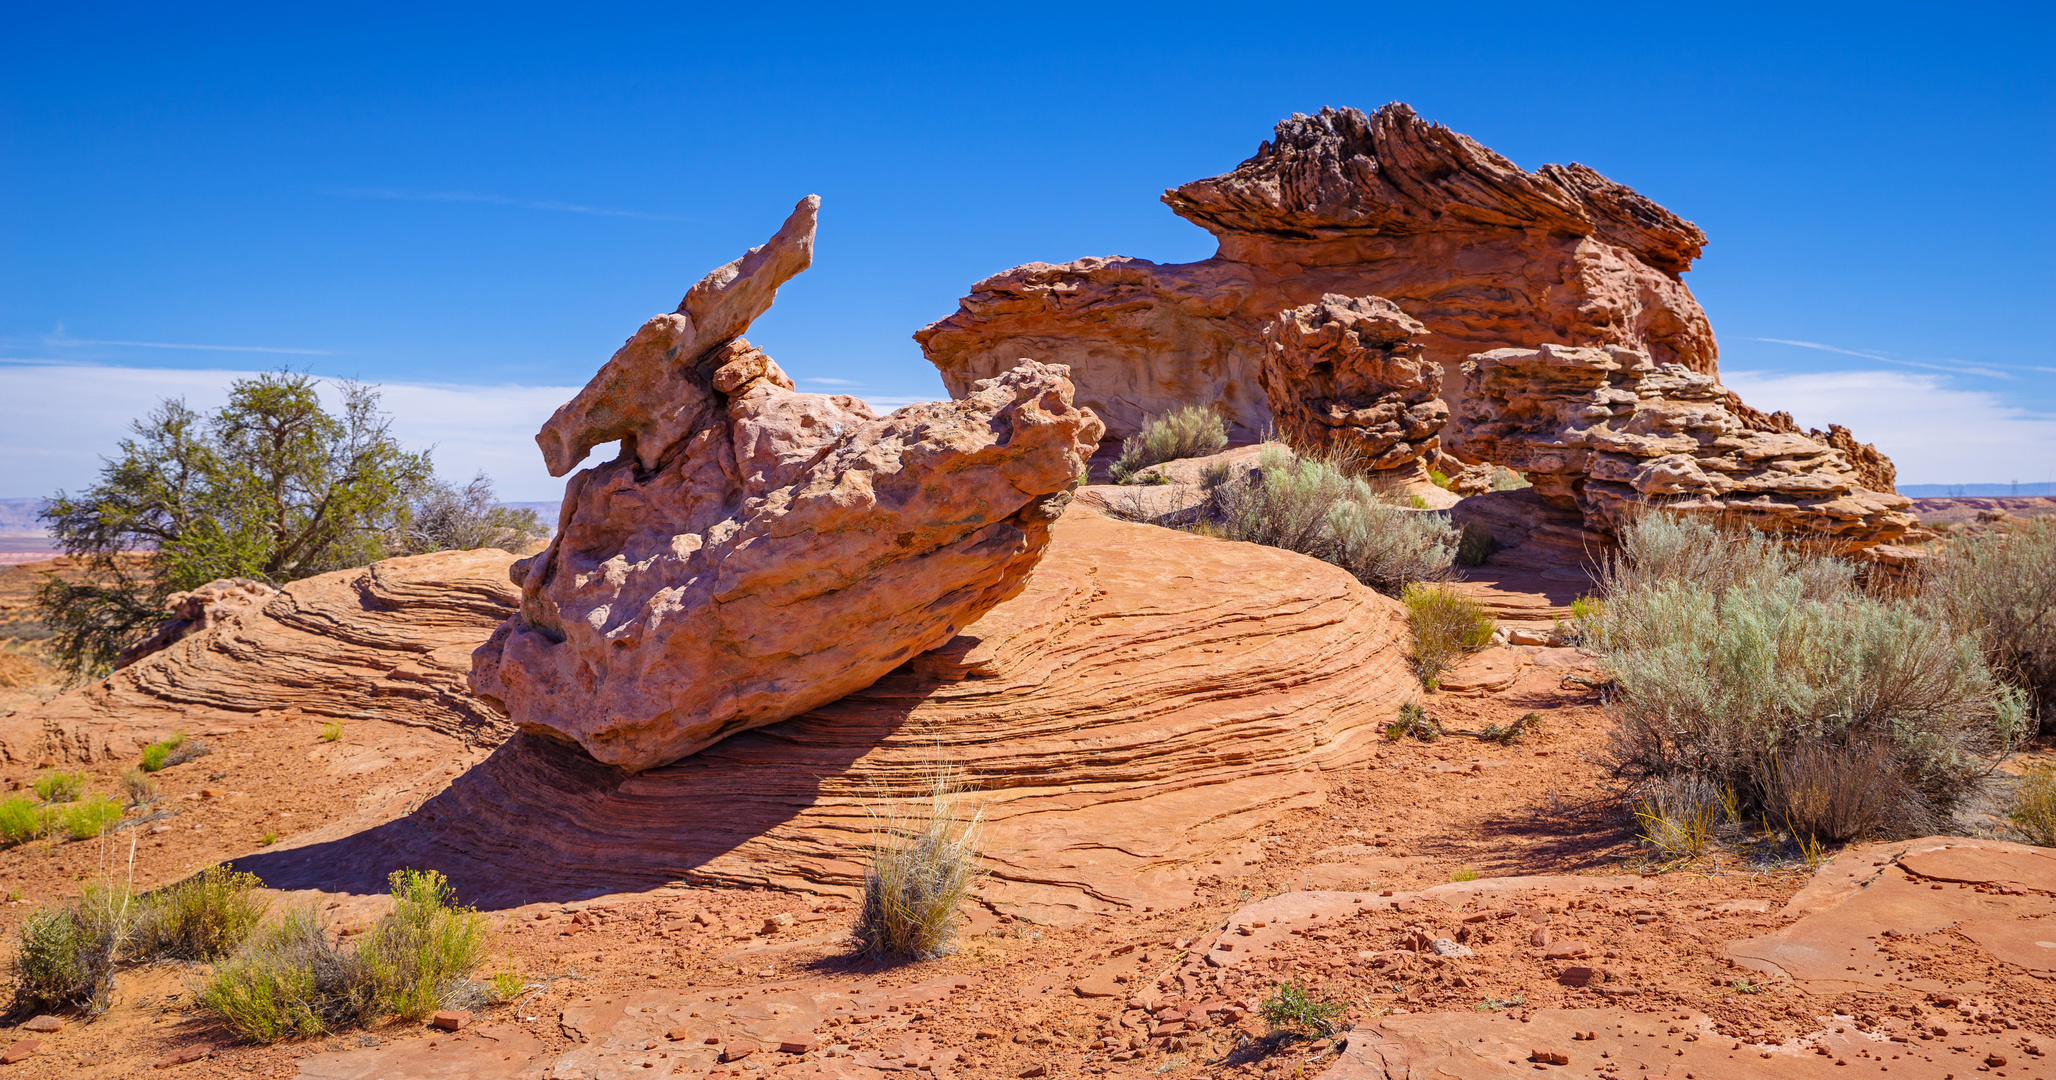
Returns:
(1733,654)
(1680,816)
(1186,432)
(1318,506)
(204,917)
(924,862)
(1836,793)
(1446,626)
(2002,587)
(2034,806)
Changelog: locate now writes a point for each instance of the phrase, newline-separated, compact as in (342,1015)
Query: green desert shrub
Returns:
(419,954)
(293,979)
(176,750)
(1475,544)
(1748,665)
(924,861)
(205,917)
(21,819)
(1187,432)
(64,957)
(2002,587)
(1446,626)
(88,817)
(1317,507)
(1291,1008)
(59,786)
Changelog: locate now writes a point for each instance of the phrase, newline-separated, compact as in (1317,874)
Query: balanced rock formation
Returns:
(390,641)
(1346,374)
(1610,430)
(756,552)
(195,610)
(1485,254)
(1150,696)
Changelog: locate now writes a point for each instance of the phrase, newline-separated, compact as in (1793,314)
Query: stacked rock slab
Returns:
(1609,431)
(755,552)
(196,610)
(1485,254)
(1346,375)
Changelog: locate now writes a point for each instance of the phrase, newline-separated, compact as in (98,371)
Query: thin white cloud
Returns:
(1934,432)
(201,348)
(501,200)
(830,382)
(1954,369)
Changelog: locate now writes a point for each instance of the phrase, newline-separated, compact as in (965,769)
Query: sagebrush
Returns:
(1756,667)
(1317,506)
(1186,432)
(2002,588)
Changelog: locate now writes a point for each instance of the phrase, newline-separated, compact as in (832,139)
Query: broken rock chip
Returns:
(755,552)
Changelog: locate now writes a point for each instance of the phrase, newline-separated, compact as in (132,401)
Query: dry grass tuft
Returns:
(924,861)
(205,917)
(2002,587)
(2034,806)
(1446,626)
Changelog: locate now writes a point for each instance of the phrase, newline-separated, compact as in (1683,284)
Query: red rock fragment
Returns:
(1549,1055)
(738,1050)
(20,1051)
(182,1056)
(452,1019)
(44,1025)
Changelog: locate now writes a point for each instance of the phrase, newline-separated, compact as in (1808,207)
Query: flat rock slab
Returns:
(1473,1046)
(1487,672)
(490,1052)
(1977,888)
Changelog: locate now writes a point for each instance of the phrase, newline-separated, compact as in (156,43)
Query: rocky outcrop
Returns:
(755,552)
(1346,375)
(1148,697)
(1483,253)
(390,641)
(196,610)
(1610,430)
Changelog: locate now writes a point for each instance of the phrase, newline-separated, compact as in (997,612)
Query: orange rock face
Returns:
(756,552)
(1348,374)
(1386,204)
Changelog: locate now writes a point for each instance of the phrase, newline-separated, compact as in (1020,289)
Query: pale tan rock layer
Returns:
(1609,431)
(195,610)
(1387,204)
(756,552)
(1148,697)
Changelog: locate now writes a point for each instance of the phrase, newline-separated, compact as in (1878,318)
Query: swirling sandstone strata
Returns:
(1608,431)
(1387,204)
(390,641)
(756,552)
(1148,697)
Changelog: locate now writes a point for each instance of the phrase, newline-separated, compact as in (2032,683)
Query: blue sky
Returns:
(497,196)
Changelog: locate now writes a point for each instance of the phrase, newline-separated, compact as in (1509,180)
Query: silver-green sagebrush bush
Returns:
(2002,588)
(1319,507)
(1775,674)
(1188,432)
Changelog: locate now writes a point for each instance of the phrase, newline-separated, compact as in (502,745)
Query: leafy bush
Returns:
(20,819)
(1188,432)
(60,786)
(2002,587)
(1731,653)
(923,865)
(2034,806)
(420,952)
(1446,625)
(64,958)
(1413,720)
(449,518)
(1316,507)
(1291,1008)
(291,981)
(204,917)
(89,817)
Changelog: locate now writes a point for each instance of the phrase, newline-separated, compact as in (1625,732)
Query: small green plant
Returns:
(332,731)
(1464,873)
(60,786)
(1446,625)
(89,817)
(2034,806)
(269,838)
(1439,478)
(291,981)
(924,861)
(1291,1008)
(140,787)
(1744,986)
(176,750)
(21,819)
(204,917)
(1506,733)
(505,986)
(1496,1004)
(1415,721)
(64,958)
(1505,479)
(1187,432)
